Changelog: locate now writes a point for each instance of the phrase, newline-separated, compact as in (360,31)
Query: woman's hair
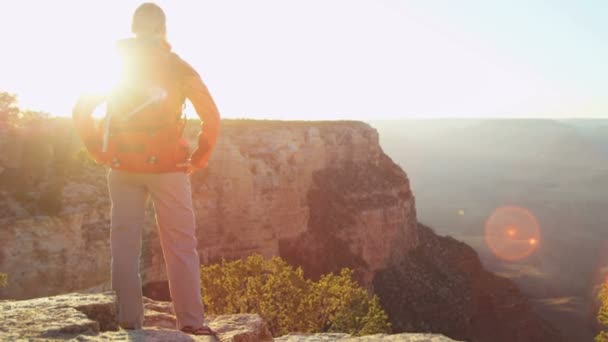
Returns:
(149,20)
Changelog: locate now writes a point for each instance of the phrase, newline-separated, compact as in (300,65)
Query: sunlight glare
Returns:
(512,233)
(100,111)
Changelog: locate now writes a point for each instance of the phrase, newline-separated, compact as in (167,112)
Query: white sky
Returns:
(330,59)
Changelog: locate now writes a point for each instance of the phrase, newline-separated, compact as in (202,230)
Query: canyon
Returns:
(322,195)
(463,170)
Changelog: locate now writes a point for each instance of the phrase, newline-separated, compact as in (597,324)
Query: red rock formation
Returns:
(271,188)
(442,287)
(321,194)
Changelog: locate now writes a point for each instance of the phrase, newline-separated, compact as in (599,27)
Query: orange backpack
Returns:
(142,130)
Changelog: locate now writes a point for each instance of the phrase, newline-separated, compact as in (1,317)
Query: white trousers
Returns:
(172,198)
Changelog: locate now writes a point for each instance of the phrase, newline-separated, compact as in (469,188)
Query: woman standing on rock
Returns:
(140,140)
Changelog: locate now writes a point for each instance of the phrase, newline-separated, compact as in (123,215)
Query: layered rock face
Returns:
(442,287)
(54,214)
(322,195)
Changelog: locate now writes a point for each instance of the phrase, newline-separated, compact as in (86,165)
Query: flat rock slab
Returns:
(82,317)
(59,316)
(147,335)
(368,338)
(92,317)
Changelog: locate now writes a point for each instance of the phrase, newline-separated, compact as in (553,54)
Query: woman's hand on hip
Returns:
(189,168)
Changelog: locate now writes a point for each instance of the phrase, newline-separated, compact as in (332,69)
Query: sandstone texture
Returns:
(300,190)
(370,338)
(322,195)
(92,317)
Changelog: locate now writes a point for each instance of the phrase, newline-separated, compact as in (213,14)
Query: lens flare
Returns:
(512,233)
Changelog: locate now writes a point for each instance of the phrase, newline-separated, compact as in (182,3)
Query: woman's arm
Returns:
(198,94)
(85,125)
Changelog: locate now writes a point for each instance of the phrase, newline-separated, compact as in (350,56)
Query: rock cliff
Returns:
(441,286)
(322,195)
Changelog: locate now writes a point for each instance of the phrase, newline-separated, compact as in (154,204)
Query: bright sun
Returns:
(317,59)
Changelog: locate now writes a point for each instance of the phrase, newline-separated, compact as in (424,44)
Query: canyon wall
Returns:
(441,286)
(323,195)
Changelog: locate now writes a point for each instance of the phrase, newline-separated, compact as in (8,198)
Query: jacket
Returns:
(190,85)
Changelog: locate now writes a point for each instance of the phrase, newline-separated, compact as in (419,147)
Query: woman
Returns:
(141,142)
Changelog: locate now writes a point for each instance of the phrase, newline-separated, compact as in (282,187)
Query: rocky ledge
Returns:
(92,317)
(369,338)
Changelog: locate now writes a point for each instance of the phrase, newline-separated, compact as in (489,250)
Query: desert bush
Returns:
(9,111)
(29,116)
(288,302)
(3,279)
(602,315)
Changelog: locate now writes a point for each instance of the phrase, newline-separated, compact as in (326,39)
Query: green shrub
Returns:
(288,302)
(602,315)
(3,279)
(9,112)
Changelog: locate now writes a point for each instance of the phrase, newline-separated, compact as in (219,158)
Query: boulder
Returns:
(92,317)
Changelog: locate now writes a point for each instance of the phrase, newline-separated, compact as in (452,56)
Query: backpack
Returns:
(143,126)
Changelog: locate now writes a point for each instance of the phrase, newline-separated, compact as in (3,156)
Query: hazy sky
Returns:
(332,59)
